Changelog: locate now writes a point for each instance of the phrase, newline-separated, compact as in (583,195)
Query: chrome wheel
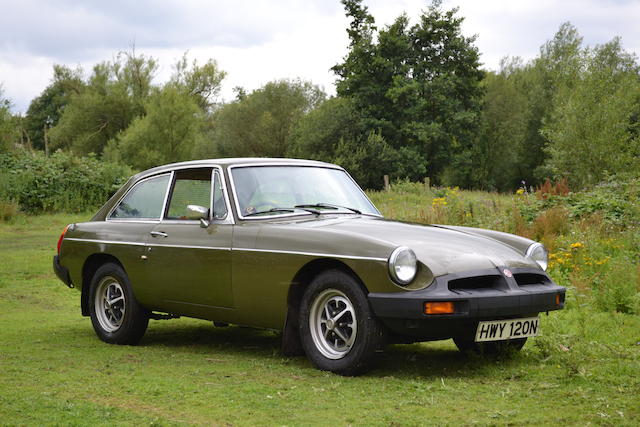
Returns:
(333,323)
(109,304)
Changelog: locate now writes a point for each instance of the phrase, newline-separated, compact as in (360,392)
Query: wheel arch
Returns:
(90,266)
(291,344)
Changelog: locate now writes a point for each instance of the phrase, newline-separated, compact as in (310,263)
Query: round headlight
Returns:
(403,265)
(539,254)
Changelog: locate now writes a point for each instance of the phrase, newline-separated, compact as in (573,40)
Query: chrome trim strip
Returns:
(166,195)
(316,254)
(135,221)
(108,216)
(162,245)
(275,251)
(228,219)
(108,242)
(328,166)
(121,242)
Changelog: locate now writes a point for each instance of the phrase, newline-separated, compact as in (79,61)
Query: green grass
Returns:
(585,369)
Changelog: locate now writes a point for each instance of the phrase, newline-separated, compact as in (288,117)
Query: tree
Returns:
(261,123)
(417,86)
(497,152)
(49,105)
(557,67)
(591,129)
(358,157)
(7,124)
(167,133)
(202,82)
(114,95)
(317,134)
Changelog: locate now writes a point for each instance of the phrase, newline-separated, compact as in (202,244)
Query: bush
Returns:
(617,199)
(61,182)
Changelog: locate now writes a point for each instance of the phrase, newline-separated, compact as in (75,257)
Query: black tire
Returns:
(123,320)
(339,292)
(490,348)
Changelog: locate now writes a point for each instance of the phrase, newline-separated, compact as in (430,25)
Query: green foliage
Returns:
(167,133)
(202,82)
(417,86)
(570,113)
(358,157)
(10,125)
(113,96)
(317,134)
(262,122)
(47,108)
(617,287)
(617,199)
(590,130)
(61,182)
(497,154)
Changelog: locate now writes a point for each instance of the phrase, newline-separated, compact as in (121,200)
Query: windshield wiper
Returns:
(269,211)
(313,211)
(328,206)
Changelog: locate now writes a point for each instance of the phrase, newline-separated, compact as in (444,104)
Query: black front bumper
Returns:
(507,297)
(61,272)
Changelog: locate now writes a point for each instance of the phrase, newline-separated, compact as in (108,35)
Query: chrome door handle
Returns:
(158,234)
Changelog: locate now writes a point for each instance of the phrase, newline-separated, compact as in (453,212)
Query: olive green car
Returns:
(296,246)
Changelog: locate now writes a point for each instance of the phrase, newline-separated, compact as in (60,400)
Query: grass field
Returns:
(585,369)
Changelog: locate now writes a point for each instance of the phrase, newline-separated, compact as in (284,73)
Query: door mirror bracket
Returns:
(199,212)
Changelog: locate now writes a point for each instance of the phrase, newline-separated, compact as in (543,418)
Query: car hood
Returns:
(444,250)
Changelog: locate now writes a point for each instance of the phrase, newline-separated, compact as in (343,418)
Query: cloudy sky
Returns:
(256,41)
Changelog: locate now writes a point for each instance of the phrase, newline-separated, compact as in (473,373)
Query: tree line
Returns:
(412,102)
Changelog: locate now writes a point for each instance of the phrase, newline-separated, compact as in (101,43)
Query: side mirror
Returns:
(198,212)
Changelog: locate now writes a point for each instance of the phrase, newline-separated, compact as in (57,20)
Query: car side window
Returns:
(191,187)
(219,203)
(144,200)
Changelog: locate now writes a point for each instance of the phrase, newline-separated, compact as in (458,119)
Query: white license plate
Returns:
(496,330)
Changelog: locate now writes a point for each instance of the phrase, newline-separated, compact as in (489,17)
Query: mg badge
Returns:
(507,272)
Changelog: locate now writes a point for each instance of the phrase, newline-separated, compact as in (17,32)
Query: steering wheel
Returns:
(262,205)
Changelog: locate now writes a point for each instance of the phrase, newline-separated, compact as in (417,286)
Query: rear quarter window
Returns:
(144,201)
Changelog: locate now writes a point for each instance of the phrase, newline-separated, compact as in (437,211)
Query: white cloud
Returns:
(256,41)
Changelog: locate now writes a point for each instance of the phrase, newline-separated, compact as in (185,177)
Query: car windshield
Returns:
(277,190)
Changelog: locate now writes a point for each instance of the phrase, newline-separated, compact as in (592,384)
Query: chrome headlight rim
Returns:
(538,253)
(392,262)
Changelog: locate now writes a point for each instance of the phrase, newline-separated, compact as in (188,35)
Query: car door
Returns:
(189,259)
(128,225)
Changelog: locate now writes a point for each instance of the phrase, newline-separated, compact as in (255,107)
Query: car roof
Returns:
(234,161)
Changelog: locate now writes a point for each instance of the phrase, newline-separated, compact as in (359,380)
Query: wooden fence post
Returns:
(387,187)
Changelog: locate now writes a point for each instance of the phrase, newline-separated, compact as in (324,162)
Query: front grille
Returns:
(528,279)
(477,282)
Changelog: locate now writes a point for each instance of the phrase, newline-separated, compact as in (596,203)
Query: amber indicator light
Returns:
(62,237)
(439,307)
(557,299)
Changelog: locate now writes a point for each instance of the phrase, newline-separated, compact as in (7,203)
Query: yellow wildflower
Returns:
(577,245)
(520,191)
(439,201)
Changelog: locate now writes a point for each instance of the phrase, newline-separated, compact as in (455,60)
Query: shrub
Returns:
(61,182)
(616,199)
